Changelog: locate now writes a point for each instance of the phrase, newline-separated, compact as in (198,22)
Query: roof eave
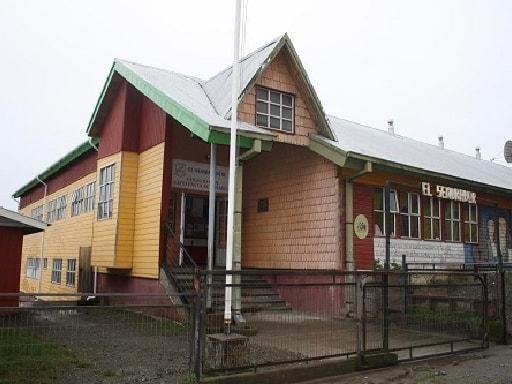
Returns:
(188,119)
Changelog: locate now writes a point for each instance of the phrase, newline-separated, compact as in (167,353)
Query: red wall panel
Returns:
(364,256)
(11,240)
(153,125)
(72,172)
(112,132)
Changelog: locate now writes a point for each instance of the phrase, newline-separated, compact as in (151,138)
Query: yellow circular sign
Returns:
(361,226)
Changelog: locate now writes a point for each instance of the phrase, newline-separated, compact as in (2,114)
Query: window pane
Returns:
(287,126)
(275,110)
(275,123)
(287,113)
(275,97)
(262,107)
(415,227)
(427,225)
(378,199)
(262,94)
(287,100)
(379,224)
(436,232)
(262,120)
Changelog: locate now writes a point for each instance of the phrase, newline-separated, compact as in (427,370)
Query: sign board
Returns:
(196,176)
(456,194)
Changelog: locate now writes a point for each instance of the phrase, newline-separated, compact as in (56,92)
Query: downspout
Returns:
(349,236)
(42,236)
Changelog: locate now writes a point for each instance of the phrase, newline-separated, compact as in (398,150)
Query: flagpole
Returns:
(235,87)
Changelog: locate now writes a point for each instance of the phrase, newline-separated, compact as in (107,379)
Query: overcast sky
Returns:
(436,67)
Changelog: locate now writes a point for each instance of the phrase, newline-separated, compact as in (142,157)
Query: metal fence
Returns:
(114,338)
(282,318)
(289,317)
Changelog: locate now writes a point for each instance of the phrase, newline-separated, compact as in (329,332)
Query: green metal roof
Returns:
(56,167)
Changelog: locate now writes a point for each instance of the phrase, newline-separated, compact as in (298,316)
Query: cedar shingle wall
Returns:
(301,228)
(279,76)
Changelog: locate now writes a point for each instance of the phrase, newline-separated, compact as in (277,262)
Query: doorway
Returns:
(194,228)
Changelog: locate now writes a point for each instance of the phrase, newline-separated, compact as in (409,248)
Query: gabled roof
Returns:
(384,148)
(13,219)
(201,106)
(218,88)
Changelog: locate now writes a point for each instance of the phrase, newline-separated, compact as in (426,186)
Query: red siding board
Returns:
(84,165)
(112,131)
(363,248)
(131,129)
(11,240)
(153,125)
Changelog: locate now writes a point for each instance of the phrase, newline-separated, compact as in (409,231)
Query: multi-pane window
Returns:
(37,213)
(106,192)
(380,211)
(71,272)
(33,268)
(274,109)
(470,223)
(56,271)
(61,207)
(77,201)
(431,218)
(90,191)
(52,211)
(410,215)
(452,221)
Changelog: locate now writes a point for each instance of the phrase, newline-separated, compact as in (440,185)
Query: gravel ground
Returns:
(492,366)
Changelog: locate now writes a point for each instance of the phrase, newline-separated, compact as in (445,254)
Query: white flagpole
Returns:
(235,87)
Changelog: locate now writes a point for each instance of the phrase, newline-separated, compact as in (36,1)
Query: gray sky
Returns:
(436,67)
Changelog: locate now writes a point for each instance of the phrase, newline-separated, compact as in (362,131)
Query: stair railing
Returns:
(178,263)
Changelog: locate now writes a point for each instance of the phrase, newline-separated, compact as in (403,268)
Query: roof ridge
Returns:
(247,57)
(383,131)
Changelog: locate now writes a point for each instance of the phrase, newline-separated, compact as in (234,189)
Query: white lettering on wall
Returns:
(443,192)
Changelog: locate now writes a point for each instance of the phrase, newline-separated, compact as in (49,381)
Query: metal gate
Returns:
(420,314)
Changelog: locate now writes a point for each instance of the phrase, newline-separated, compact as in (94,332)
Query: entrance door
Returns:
(195,214)
(221,225)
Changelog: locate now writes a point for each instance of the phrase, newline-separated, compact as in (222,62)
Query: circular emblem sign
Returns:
(361,227)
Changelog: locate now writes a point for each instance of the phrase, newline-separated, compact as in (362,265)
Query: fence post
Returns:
(197,305)
(485,288)
(406,282)
(359,311)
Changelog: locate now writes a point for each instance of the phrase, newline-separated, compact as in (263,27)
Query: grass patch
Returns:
(28,358)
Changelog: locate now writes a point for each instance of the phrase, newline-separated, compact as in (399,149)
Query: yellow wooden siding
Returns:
(62,239)
(146,239)
(127,200)
(105,230)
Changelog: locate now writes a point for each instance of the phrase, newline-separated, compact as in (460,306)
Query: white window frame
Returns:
(410,214)
(52,211)
(275,109)
(451,221)
(430,216)
(56,271)
(393,209)
(33,268)
(77,201)
(37,213)
(470,222)
(71,272)
(61,207)
(106,192)
(90,193)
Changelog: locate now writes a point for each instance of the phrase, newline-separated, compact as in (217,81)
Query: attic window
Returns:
(274,109)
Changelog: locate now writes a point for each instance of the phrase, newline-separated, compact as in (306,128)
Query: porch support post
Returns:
(211,221)
(237,248)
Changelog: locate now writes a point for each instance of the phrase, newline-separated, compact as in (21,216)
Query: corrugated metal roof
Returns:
(14,219)
(379,144)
